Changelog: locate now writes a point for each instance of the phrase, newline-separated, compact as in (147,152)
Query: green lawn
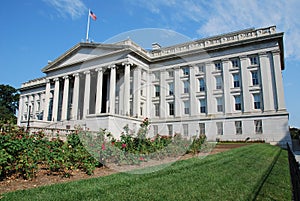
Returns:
(238,174)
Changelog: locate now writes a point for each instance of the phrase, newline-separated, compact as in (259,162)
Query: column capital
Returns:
(100,69)
(56,79)
(208,63)
(243,57)
(276,52)
(262,54)
(87,72)
(176,67)
(225,60)
(65,77)
(127,63)
(47,80)
(76,74)
(112,66)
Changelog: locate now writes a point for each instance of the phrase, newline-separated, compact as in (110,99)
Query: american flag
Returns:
(93,16)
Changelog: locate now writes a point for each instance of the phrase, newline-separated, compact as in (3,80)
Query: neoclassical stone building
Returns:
(228,87)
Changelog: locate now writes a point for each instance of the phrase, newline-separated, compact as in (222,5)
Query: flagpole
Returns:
(88,27)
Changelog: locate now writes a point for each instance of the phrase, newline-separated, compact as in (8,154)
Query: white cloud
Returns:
(73,8)
(216,17)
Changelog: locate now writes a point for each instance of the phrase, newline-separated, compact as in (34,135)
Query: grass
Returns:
(238,174)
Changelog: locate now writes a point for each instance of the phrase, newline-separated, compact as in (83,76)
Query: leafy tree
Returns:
(9,102)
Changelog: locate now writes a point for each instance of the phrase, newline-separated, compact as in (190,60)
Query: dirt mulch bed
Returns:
(42,178)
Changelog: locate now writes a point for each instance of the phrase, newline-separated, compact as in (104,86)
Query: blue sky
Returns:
(35,31)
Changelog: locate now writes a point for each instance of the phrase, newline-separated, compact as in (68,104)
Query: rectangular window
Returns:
(238,104)
(218,66)
(185,129)
(219,84)
(220,128)
(202,106)
(171,88)
(157,90)
(170,129)
(235,63)
(186,86)
(253,60)
(201,69)
(255,79)
(201,84)
(186,107)
(220,104)
(186,70)
(238,127)
(156,106)
(202,128)
(142,87)
(258,126)
(171,108)
(155,129)
(171,73)
(156,75)
(257,101)
(236,80)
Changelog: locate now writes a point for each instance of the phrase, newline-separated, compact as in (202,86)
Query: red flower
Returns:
(124,145)
(141,158)
(112,143)
(103,147)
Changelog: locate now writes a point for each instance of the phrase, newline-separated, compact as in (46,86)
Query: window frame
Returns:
(171,108)
(186,87)
(220,129)
(202,106)
(219,82)
(236,80)
(255,77)
(202,128)
(185,71)
(257,101)
(186,107)
(220,104)
(157,90)
(201,84)
(258,124)
(238,127)
(238,103)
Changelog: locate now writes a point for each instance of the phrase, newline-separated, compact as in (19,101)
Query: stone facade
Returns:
(228,87)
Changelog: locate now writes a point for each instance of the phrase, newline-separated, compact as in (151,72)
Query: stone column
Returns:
(278,81)
(136,91)
(47,100)
(64,113)
(193,99)
(99,90)
(87,89)
(55,99)
(127,89)
(209,79)
(177,92)
(164,108)
(245,78)
(33,105)
(75,97)
(112,89)
(267,84)
(21,110)
(226,87)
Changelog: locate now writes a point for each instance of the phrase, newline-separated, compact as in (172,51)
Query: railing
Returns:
(295,174)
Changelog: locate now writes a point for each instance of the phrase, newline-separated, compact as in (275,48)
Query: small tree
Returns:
(9,102)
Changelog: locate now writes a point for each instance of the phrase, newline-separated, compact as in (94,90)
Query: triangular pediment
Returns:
(80,53)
